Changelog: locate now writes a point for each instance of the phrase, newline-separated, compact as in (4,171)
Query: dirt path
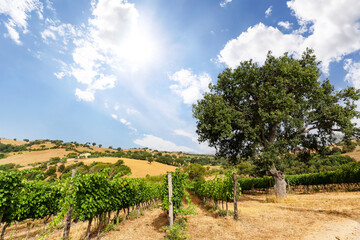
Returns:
(145,227)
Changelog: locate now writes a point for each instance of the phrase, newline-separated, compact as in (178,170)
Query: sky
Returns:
(126,73)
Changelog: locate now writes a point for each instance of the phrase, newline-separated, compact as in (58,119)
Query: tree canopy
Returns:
(263,112)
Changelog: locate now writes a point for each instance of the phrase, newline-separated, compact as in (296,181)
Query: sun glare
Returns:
(141,48)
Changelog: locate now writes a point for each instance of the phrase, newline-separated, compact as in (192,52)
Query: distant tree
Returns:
(196,172)
(100,145)
(110,147)
(265,112)
(14,139)
(150,160)
(94,144)
(119,162)
(26,140)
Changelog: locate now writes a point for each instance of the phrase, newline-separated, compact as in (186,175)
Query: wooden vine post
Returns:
(68,214)
(171,207)
(236,217)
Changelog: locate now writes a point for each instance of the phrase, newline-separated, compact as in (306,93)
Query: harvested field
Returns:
(26,158)
(139,168)
(11,141)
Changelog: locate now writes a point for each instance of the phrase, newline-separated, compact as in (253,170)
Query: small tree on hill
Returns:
(265,112)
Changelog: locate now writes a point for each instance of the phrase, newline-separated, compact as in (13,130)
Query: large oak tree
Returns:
(264,112)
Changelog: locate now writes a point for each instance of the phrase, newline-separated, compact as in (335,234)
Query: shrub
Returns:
(51,171)
(119,162)
(349,146)
(177,231)
(61,168)
(72,155)
(9,166)
(196,172)
(54,160)
(43,166)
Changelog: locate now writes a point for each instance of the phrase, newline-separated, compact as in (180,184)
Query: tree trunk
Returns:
(45,223)
(280,183)
(1,215)
(227,209)
(99,227)
(138,209)
(124,217)
(87,235)
(3,231)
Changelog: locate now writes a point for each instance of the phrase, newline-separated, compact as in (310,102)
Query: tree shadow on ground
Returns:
(160,221)
(206,208)
(322,211)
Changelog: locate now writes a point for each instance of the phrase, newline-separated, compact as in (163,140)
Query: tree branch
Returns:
(273,132)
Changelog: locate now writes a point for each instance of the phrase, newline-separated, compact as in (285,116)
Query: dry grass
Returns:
(298,217)
(355,154)
(139,168)
(12,142)
(26,158)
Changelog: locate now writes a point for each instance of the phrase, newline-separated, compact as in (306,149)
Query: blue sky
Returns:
(126,73)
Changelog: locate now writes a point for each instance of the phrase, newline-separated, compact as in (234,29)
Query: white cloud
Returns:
(256,42)
(353,72)
(59,75)
(330,34)
(18,14)
(124,121)
(87,95)
(268,12)
(116,107)
(225,2)
(48,34)
(104,82)
(189,86)
(203,147)
(64,31)
(12,33)
(184,133)
(132,111)
(160,144)
(114,116)
(113,41)
(286,24)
